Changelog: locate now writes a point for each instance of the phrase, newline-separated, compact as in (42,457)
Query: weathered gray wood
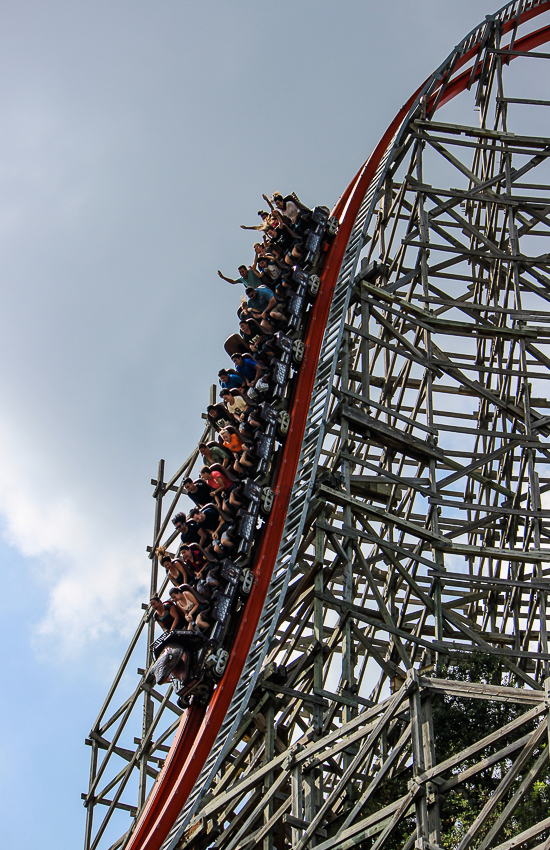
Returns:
(525,836)
(483,764)
(431,415)
(503,787)
(453,761)
(516,800)
(370,741)
(491,583)
(483,691)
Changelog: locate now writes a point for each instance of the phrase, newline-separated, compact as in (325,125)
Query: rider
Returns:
(166,614)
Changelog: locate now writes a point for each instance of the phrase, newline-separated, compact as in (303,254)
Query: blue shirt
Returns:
(251,281)
(232,382)
(261,300)
(247,368)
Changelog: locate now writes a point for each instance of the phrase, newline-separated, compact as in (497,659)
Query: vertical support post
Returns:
(90,806)
(213,391)
(348,659)
(418,760)
(427,805)
(318,662)
(312,780)
(438,611)
(365,364)
(310,801)
(269,754)
(424,271)
(297,804)
(432,793)
(547,701)
(148,705)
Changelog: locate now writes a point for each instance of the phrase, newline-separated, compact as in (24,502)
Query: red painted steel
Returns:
(200,725)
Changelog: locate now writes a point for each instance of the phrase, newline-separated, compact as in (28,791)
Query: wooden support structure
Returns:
(431,549)
(421,577)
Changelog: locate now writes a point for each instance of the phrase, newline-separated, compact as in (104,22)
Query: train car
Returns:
(194,661)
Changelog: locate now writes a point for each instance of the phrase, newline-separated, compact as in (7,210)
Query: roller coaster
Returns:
(408,533)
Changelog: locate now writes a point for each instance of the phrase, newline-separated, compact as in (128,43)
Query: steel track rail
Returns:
(205,734)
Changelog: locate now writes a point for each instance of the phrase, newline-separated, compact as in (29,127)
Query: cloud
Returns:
(86,567)
(125,170)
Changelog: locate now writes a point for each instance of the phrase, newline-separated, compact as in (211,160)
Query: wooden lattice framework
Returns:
(426,544)
(427,538)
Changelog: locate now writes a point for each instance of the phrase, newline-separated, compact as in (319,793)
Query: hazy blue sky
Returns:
(135,137)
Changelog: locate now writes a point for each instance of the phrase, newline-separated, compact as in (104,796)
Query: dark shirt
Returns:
(196,560)
(181,577)
(221,418)
(256,333)
(166,620)
(283,239)
(192,533)
(211,519)
(202,495)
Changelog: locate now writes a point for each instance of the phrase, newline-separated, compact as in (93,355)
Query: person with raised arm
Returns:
(294,214)
(248,277)
(292,241)
(268,272)
(265,216)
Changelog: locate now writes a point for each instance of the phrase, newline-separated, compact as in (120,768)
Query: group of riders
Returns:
(209,530)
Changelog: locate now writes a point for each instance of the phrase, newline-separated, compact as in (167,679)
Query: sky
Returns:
(135,138)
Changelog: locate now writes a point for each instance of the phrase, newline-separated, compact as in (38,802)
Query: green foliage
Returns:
(459,722)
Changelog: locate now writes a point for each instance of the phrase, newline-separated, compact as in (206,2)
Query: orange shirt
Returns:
(234,444)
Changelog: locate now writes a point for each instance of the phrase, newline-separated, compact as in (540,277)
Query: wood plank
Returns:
(475,690)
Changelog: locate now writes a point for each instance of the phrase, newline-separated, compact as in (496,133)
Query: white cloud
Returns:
(90,573)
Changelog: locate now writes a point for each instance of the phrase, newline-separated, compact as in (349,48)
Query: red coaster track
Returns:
(199,725)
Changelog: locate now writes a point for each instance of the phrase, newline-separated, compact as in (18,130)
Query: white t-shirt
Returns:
(291,211)
(235,403)
(273,271)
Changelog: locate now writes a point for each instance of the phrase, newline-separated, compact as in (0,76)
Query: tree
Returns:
(459,722)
